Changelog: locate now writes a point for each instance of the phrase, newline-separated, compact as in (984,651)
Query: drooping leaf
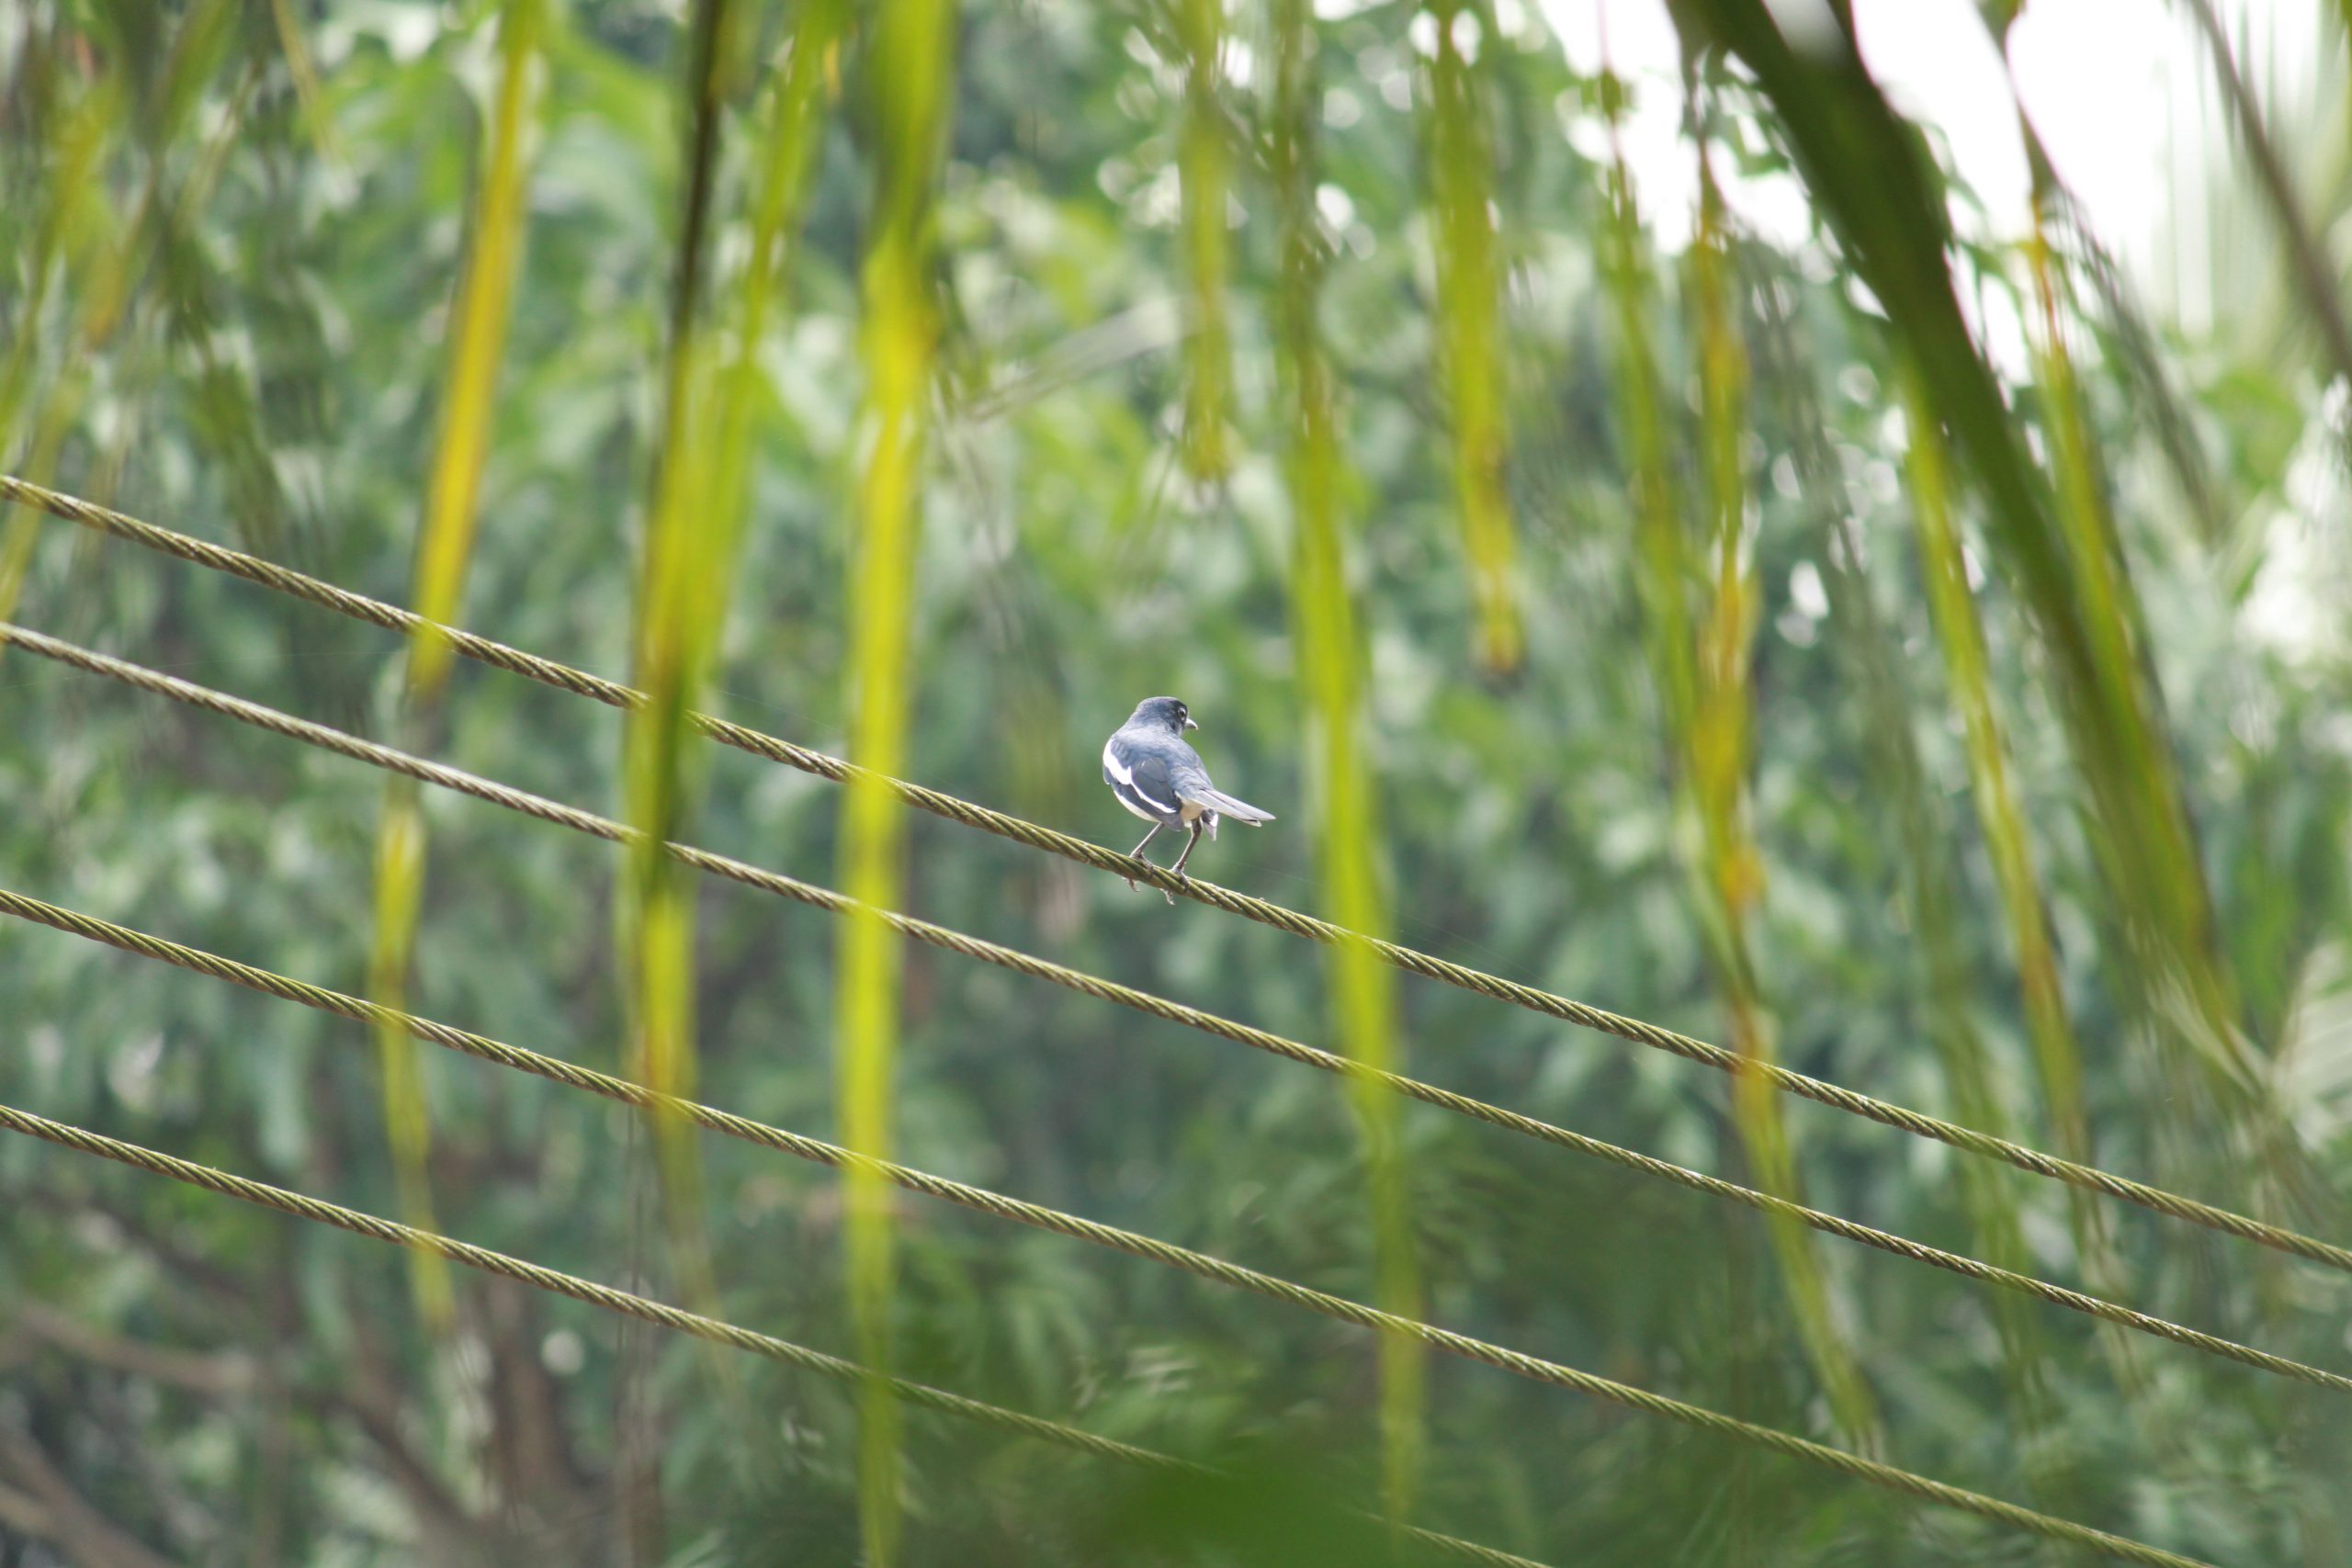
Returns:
(910,87)
(1203,160)
(1330,658)
(1872,179)
(1459,152)
(467,421)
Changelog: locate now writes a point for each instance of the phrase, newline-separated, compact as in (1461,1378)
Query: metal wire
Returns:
(1852,1465)
(562,677)
(957,941)
(701,1327)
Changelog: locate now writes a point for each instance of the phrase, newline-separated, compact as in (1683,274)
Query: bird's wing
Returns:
(1185,774)
(1139,775)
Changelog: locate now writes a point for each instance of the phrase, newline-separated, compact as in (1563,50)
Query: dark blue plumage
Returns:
(1159,778)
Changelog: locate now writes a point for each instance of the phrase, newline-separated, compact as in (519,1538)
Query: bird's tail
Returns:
(1225,805)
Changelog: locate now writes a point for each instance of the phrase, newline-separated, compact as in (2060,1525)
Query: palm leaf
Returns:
(1875,185)
(2314,277)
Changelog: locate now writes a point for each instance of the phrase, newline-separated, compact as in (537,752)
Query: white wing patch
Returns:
(1115,768)
(1123,785)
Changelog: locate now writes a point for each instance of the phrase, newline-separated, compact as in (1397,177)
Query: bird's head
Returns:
(1163,712)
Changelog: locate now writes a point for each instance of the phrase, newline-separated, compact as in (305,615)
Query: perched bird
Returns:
(1159,778)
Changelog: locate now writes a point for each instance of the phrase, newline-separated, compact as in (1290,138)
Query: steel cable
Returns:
(547,671)
(957,941)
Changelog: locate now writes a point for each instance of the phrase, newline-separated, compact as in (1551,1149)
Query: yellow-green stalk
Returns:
(2057,1054)
(909,83)
(1330,665)
(305,74)
(70,220)
(468,413)
(1469,310)
(1701,671)
(2167,921)
(681,607)
(1202,162)
(1922,841)
(1718,754)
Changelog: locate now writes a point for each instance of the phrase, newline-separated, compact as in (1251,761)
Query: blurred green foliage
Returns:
(232,236)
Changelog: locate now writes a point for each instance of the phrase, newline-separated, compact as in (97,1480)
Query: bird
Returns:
(1157,776)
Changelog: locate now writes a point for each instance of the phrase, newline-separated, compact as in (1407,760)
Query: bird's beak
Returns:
(1192,724)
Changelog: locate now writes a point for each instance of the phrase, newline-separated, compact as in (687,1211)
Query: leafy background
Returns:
(1724,784)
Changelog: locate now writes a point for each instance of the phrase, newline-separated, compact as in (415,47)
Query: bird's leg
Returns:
(1138,850)
(1178,867)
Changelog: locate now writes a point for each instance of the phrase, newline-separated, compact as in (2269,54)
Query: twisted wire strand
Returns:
(302,1206)
(1785,1443)
(579,682)
(280,985)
